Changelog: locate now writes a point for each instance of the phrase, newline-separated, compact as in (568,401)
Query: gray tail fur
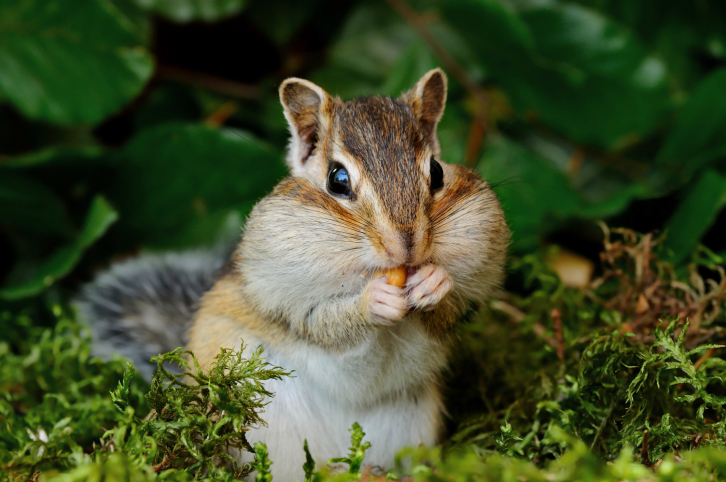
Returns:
(143,307)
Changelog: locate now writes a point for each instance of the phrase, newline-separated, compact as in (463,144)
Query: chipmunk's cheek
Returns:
(385,303)
(427,287)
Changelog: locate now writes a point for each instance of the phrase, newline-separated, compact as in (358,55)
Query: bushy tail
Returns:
(142,307)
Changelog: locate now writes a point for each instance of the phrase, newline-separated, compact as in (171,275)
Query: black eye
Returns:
(339,181)
(437,176)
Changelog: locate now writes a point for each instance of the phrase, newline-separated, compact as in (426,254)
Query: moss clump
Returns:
(550,383)
(56,404)
(593,363)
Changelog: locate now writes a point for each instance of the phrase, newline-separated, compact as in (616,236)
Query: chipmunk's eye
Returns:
(437,176)
(339,181)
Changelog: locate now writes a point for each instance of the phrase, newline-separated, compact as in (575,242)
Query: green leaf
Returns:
(189,10)
(490,27)
(536,196)
(100,216)
(576,70)
(66,62)
(585,42)
(55,154)
(699,134)
(370,42)
(695,214)
(31,206)
(377,52)
(415,61)
(178,182)
(281,19)
(309,465)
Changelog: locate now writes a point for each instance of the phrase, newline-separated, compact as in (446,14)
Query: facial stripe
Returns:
(379,132)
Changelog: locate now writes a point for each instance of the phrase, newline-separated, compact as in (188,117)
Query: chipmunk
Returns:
(367,190)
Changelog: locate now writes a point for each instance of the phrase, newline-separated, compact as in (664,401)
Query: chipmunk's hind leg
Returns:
(142,307)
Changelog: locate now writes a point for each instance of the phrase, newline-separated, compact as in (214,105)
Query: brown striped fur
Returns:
(386,143)
(302,283)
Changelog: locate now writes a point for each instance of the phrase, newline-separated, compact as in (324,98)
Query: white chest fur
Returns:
(388,385)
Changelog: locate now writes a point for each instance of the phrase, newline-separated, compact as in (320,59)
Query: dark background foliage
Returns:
(131,125)
(149,125)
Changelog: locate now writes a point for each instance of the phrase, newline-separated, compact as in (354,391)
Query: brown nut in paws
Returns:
(396,276)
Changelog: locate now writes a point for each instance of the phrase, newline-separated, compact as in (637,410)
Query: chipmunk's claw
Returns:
(427,287)
(386,303)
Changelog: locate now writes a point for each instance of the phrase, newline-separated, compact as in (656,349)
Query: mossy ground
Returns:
(623,380)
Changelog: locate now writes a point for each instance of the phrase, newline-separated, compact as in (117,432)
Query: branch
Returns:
(161,466)
(219,85)
(557,325)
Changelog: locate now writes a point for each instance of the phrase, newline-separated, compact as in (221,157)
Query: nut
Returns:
(396,276)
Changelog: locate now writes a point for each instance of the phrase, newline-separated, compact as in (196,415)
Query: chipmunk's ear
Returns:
(306,106)
(427,100)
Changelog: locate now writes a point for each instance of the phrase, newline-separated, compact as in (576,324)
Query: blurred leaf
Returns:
(453,130)
(141,21)
(413,63)
(534,194)
(378,53)
(699,135)
(686,36)
(189,10)
(30,206)
(538,197)
(173,176)
(168,103)
(65,61)
(369,45)
(695,214)
(604,189)
(578,71)
(281,19)
(218,228)
(585,41)
(491,28)
(33,281)
(56,154)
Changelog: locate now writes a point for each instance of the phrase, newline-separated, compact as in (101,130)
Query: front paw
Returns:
(385,303)
(427,287)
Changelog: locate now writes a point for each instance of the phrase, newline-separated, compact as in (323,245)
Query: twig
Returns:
(557,326)
(697,441)
(705,357)
(450,63)
(511,311)
(215,84)
(162,465)
(224,112)
(477,131)
(576,160)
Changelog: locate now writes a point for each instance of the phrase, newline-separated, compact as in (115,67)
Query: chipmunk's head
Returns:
(373,163)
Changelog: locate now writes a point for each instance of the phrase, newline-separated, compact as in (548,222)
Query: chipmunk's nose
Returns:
(410,245)
(397,249)
(420,243)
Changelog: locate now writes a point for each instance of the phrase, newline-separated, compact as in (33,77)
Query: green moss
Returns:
(550,383)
